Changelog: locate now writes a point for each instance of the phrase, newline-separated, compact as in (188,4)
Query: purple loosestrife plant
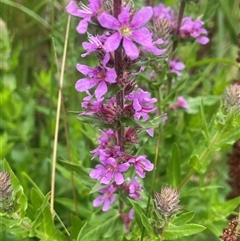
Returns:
(126,38)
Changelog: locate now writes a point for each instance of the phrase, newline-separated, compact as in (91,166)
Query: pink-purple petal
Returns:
(141,17)
(136,105)
(84,84)
(101,90)
(106,179)
(131,49)
(203,40)
(108,21)
(83,26)
(112,42)
(124,16)
(106,205)
(84,69)
(118,178)
(142,36)
(123,167)
(72,9)
(111,76)
(98,201)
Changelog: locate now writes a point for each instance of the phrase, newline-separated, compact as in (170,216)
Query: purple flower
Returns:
(107,198)
(176,67)
(127,219)
(86,12)
(142,104)
(141,164)
(154,49)
(128,29)
(95,43)
(193,29)
(107,146)
(163,12)
(182,103)
(133,188)
(92,107)
(165,118)
(109,170)
(97,76)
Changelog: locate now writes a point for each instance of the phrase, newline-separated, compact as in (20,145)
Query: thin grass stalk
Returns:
(58,117)
(66,134)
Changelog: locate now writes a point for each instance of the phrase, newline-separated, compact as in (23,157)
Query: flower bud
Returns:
(6,204)
(232,97)
(167,201)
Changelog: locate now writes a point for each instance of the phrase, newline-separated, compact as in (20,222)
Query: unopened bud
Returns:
(167,202)
(6,204)
(232,97)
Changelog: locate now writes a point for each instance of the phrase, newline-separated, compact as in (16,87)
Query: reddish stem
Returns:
(118,65)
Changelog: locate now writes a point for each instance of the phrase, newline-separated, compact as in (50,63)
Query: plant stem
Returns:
(180,16)
(153,177)
(117,6)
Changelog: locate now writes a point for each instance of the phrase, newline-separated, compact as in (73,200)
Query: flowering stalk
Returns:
(125,40)
(117,4)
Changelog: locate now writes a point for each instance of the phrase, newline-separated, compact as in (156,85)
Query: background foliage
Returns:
(30,31)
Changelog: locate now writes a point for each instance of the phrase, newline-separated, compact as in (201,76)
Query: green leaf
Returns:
(76,225)
(18,194)
(27,11)
(13,226)
(228,207)
(147,225)
(69,204)
(183,218)
(103,227)
(82,171)
(138,211)
(175,232)
(44,224)
(97,187)
(174,166)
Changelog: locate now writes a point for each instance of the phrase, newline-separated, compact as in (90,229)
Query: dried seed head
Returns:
(232,97)
(6,192)
(230,233)
(167,202)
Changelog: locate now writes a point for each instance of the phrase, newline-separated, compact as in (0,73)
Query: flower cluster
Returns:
(188,28)
(123,40)
(113,96)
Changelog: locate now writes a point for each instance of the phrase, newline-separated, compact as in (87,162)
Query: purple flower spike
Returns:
(128,29)
(97,76)
(109,170)
(86,12)
(107,198)
(142,104)
(141,164)
(193,29)
(176,67)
